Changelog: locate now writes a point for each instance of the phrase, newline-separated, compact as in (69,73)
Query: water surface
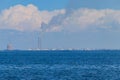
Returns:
(60,65)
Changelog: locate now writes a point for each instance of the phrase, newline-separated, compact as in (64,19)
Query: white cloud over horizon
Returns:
(92,18)
(30,18)
(26,18)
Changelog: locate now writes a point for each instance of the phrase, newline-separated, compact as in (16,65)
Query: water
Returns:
(60,65)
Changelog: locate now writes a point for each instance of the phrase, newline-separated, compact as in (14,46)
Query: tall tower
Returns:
(39,43)
(40,40)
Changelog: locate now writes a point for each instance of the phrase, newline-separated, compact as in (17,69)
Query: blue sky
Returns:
(41,4)
(64,23)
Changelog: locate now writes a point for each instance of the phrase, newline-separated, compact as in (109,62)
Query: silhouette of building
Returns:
(9,47)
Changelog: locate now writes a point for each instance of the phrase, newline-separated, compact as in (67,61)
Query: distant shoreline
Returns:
(68,50)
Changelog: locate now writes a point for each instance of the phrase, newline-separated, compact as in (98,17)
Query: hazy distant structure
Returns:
(39,40)
(39,43)
(9,47)
(39,46)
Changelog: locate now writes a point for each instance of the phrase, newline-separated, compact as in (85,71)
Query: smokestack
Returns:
(39,43)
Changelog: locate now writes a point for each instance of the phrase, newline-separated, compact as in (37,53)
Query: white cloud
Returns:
(30,18)
(92,18)
(82,19)
(26,18)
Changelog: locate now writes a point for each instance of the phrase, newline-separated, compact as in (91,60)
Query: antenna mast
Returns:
(40,41)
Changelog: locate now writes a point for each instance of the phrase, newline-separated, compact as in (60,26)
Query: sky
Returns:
(61,24)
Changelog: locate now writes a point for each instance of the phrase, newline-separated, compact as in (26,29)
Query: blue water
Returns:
(60,65)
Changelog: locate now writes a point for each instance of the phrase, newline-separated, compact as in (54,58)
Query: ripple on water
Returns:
(60,72)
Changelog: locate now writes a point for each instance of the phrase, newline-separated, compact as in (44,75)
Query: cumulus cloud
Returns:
(82,19)
(30,18)
(26,18)
(95,18)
